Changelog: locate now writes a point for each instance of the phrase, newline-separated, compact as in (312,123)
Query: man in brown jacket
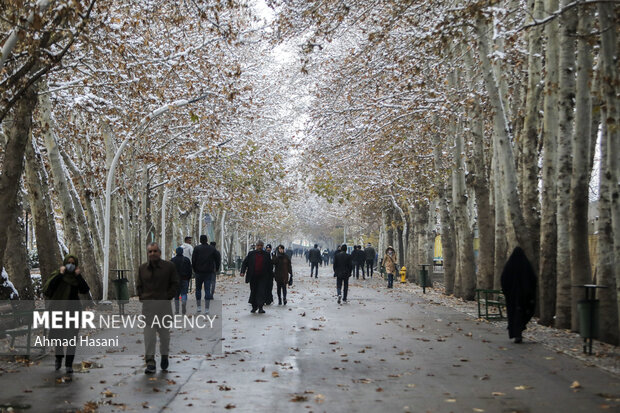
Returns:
(157,284)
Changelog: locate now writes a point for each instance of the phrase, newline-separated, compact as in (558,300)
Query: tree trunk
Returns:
(548,225)
(502,141)
(606,261)
(71,234)
(580,269)
(566,117)
(465,265)
(529,137)
(609,83)
(18,135)
(36,180)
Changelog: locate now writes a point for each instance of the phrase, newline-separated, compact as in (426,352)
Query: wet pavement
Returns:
(384,350)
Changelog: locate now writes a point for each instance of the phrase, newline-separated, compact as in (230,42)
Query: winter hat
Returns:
(179,250)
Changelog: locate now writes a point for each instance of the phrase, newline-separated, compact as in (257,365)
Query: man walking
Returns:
(206,261)
(342,270)
(156,285)
(358,257)
(370,259)
(314,256)
(184,269)
(257,268)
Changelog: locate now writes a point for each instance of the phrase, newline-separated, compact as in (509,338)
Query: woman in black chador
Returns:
(519,287)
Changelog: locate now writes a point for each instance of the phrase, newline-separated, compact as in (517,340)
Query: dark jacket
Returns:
(314,255)
(66,286)
(183,266)
(206,259)
(519,287)
(342,265)
(157,281)
(358,256)
(370,253)
(249,262)
(283,268)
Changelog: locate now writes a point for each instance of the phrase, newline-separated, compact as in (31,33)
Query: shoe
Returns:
(279,301)
(253,310)
(164,362)
(261,311)
(518,340)
(316,276)
(198,310)
(58,362)
(69,369)
(150,367)
(339,299)
(344,300)
(285,301)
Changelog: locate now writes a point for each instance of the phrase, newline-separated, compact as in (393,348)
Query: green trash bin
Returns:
(121,285)
(424,277)
(588,313)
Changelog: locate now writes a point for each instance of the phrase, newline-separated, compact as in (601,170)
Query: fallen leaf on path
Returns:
(319,398)
(230,406)
(497,393)
(275,374)
(108,393)
(575,385)
(523,387)
(299,398)
(450,400)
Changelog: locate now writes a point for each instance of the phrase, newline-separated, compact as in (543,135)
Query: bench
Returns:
(16,321)
(491,304)
(227,271)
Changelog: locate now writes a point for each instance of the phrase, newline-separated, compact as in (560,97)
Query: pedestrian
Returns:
(314,256)
(519,287)
(206,261)
(359,258)
(269,283)
(389,262)
(157,284)
(188,250)
(342,271)
(62,290)
(184,270)
(325,257)
(257,269)
(214,278)
(283,273)
(369,251)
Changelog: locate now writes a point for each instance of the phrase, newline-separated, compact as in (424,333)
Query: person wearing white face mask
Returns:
(62,289)
(389,262)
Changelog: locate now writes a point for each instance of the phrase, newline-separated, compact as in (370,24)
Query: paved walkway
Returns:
(385,350)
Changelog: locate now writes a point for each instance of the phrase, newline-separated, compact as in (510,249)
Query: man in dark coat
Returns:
(342,270)
(283,272)
(184,270)
(359,258)
(257,269)
(157,284)
(314,256)
(369,251)
(206,261)
(519,287)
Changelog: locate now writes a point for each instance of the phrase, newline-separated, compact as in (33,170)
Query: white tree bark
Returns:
(502,141)
(71,233)
(568,30)
(609,81)
(548,230)
(580,269)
